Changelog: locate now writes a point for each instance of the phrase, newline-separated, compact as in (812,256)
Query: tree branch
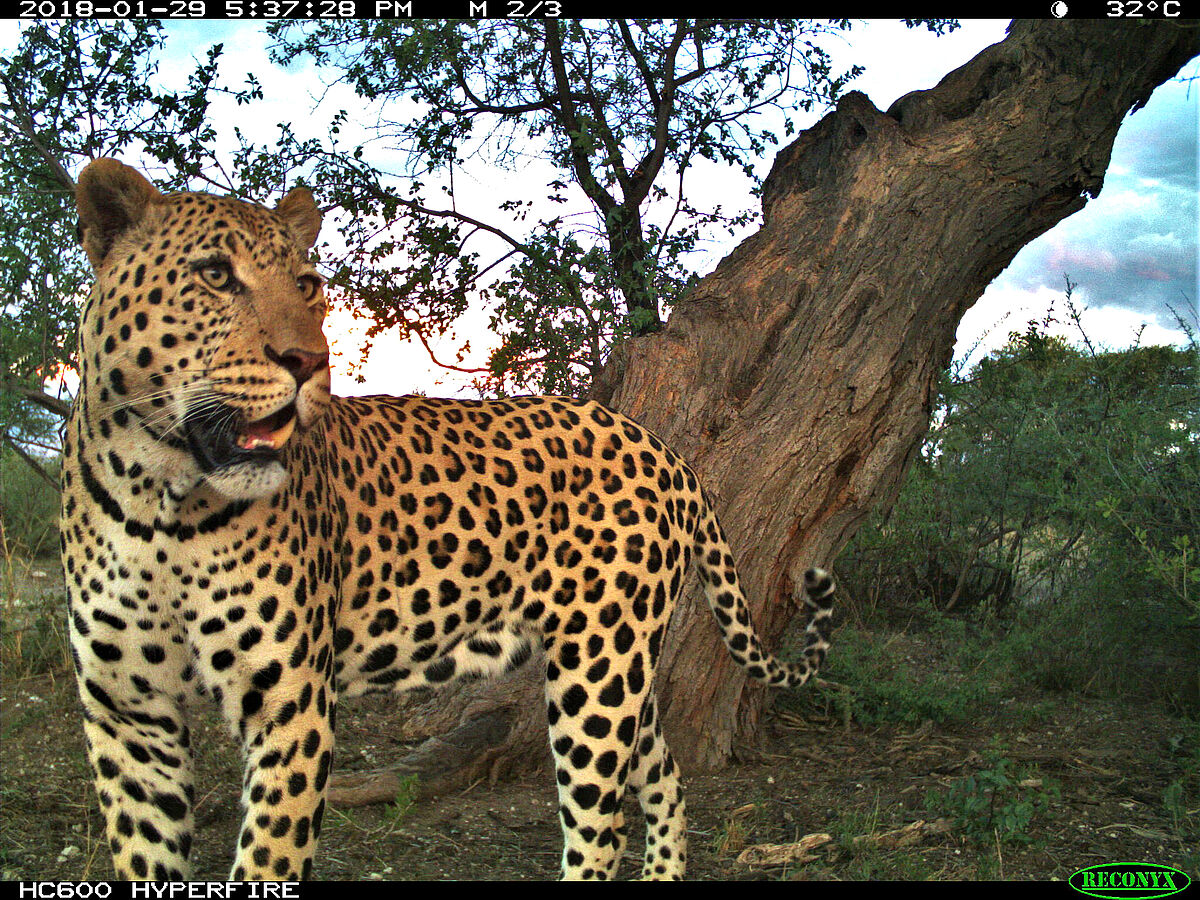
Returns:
(31,462)
(420,334)
(640,61)
(570,119)
(647,170)
(48,402)
(24,121)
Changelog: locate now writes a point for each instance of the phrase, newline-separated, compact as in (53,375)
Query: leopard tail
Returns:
(722,589)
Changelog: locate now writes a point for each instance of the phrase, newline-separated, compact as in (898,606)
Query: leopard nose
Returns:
(301,363)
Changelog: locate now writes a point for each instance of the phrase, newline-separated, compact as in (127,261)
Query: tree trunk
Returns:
(630,261)
(797,377)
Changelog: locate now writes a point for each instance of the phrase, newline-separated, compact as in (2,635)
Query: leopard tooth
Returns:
(274,440)
(280,436)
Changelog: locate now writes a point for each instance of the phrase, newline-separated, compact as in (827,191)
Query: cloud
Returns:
(1133,248)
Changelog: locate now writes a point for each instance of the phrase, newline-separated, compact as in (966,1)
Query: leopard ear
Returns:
(303,217)
(111,199)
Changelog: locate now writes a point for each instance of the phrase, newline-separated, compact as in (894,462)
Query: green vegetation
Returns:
(1052,519)
(859,833)
(1045,538)
(28,507)
(998,804)
(1181,800)
(32,623)
(406,798)
(977,665)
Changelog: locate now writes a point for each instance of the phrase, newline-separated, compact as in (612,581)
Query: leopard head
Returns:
(201,351)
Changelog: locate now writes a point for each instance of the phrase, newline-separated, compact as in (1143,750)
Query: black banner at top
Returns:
(561,9)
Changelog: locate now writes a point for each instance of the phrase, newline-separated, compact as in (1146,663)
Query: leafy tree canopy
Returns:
(613,110)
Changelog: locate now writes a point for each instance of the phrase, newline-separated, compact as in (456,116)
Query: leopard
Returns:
(232,531)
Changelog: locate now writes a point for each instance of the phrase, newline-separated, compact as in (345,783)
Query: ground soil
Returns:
(811,773)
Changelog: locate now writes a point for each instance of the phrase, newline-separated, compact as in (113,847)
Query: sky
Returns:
(1131,252)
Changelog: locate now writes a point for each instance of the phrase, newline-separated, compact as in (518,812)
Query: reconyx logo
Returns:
(1129,881)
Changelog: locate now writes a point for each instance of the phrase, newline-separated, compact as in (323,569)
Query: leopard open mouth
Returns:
(219,435)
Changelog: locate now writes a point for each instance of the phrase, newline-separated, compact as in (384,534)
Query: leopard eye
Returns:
(308,285)
(218,276)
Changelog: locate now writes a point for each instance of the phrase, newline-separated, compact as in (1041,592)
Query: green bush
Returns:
(962,668)
(1181,801)
(997,804)
(1058,490)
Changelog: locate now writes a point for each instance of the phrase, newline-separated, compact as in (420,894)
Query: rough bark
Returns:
(797,377)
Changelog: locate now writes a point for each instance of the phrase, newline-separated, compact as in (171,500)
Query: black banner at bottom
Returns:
(162,890)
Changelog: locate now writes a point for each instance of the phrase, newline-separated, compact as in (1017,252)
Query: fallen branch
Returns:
(910,834)
(783,854)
